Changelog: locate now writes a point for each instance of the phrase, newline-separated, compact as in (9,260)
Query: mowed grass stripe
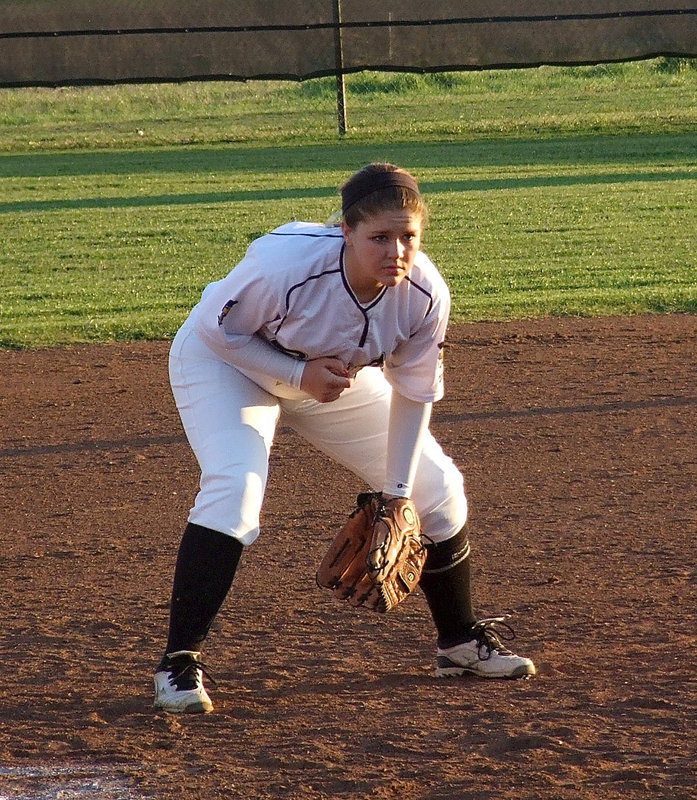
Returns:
(117,244)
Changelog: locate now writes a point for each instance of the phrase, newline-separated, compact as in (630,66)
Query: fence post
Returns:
(339,65)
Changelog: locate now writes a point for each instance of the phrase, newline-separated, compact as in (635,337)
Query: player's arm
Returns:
(407,426)
(415,368)
(231,313)
(322,378)
(234,309)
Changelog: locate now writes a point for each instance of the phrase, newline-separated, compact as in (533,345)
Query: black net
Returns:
(58,42)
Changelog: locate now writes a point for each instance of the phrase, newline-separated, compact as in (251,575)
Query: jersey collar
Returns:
(363,306)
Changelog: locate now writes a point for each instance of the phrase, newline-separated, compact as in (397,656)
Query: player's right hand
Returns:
(325,379)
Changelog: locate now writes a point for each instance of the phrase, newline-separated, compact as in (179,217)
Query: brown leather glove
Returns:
(377,557)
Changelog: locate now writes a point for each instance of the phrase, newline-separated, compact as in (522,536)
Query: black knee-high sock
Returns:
(445,583)
(206,565)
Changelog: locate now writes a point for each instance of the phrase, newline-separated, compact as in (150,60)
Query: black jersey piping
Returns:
(307,280)
(424,291)
(299,285)
(318,235)
(363,309)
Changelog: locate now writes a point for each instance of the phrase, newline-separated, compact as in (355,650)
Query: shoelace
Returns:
(490,634)
(184,675)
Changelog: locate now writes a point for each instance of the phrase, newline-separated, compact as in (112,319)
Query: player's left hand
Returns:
(377,557)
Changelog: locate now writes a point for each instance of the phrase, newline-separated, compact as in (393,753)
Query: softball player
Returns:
(337,332)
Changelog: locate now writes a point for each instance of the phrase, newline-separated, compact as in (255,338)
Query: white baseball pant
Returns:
(230,423)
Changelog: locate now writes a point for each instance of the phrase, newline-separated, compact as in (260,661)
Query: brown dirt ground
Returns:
(577,439)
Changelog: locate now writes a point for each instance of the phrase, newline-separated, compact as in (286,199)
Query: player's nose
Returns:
(396,249)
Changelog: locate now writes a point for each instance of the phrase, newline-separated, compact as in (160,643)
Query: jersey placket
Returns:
(363,309)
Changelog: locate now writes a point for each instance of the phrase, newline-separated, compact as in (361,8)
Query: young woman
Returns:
(337,331)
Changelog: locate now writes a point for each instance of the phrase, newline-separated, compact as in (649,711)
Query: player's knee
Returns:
(230,504)
(445,511)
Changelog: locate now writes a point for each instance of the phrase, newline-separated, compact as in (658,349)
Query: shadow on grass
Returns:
(260,195)
(346,156)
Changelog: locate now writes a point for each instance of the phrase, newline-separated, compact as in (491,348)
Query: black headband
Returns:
(373,183)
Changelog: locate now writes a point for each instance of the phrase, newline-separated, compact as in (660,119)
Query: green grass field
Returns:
(552,191)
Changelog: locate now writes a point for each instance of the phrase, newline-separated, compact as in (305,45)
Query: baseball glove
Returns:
(376,558)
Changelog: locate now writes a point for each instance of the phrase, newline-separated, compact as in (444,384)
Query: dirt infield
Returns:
(577,440)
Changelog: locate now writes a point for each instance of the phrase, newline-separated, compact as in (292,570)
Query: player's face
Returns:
(380,251)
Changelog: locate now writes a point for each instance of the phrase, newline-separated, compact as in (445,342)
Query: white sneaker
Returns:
(484,655)
(179,684)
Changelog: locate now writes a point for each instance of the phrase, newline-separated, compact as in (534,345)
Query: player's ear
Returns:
(347,230)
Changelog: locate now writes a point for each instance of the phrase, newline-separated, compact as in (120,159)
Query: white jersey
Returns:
(291,290)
